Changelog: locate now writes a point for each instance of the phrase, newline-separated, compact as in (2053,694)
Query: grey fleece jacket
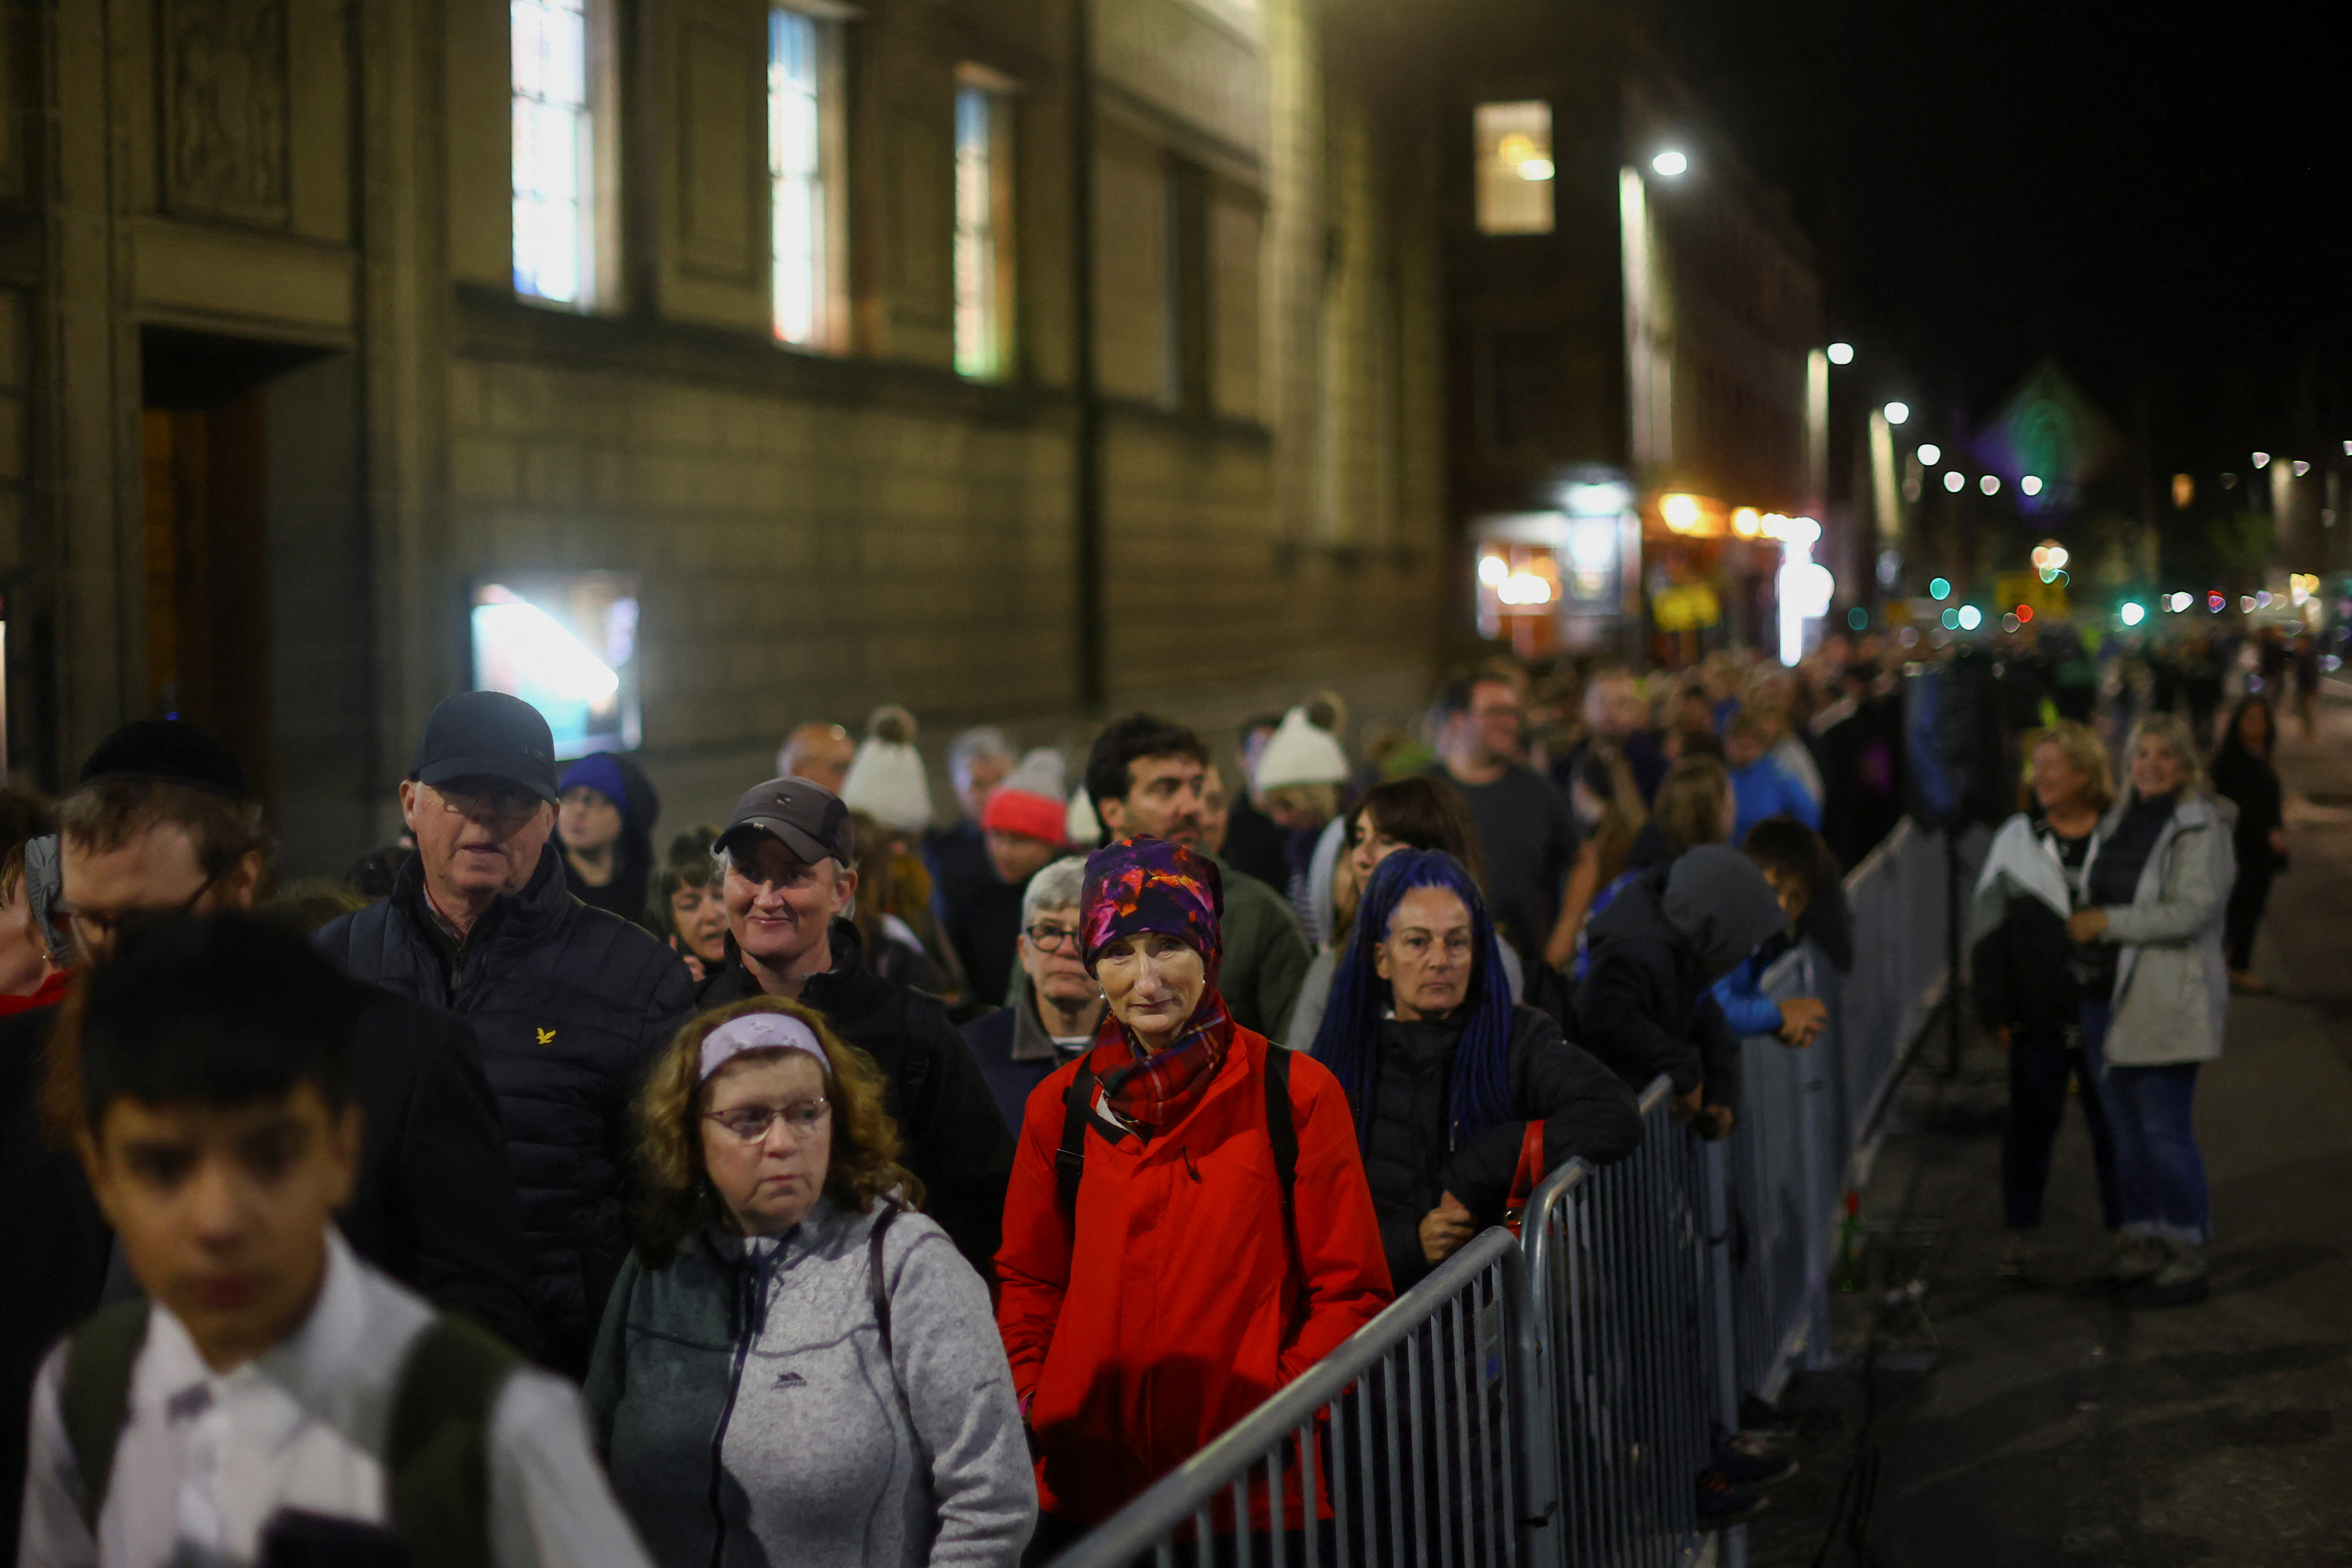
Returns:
(764,1359)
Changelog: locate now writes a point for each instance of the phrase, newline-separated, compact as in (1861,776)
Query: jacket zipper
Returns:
(748,1300)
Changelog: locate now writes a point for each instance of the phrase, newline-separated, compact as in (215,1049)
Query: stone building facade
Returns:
(272,401)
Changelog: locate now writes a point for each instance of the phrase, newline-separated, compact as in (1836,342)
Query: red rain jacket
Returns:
(1178,1310)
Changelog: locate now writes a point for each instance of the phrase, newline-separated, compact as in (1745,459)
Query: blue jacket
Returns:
(1763,789)
(570,1005)
(1740,995)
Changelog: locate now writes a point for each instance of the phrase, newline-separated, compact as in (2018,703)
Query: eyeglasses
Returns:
(506,808)
(92,927)
(1053,939)
(749,1123)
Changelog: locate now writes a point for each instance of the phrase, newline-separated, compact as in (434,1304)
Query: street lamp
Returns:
(1842,354)
(1955,481)
(1670,164)
(1897,413)
(1931,455)
(2031,485)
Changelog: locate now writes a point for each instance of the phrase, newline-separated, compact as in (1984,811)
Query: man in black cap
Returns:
(570,1003)
(787,859)
(160,823)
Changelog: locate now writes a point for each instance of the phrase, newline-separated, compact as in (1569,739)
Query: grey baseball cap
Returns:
(808,819)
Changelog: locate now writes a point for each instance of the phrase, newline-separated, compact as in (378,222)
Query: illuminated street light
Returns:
(1970,617)
(2133,614)
(1493,571)
(1931,455)
(2262,459)
(1896,412)
(2301,468)
(1989,484)
(2031,485)
(1842,354)
(1955,481)
(1939,588)
(1670,164)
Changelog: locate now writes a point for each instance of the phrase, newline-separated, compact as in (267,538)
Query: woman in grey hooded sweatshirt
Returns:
(794,1367)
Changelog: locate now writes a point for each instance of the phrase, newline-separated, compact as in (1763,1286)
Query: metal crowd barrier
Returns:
(1425,1438)
(1549,1402)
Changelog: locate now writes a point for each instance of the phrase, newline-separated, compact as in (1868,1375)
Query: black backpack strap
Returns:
(437,1453)
(95,1400)
(1070,1159)
(876,1284)
(1282,1129)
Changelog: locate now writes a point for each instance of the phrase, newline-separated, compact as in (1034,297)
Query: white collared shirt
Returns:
(206,1460)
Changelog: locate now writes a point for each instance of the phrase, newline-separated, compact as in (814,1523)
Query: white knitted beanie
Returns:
(885,779)
(1299,753)
(1082,827)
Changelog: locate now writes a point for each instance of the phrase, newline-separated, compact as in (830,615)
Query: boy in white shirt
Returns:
(276,1401)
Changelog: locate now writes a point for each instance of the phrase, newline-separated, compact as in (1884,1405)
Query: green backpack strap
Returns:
(437,1456)
(95,1400)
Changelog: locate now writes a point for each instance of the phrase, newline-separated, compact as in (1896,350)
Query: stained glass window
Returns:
(796,175)
(983,171)
(554,151)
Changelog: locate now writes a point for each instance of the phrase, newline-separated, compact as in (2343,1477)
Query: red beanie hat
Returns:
(1029,802)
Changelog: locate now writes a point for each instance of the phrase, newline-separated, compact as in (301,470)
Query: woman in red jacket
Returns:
(1154,1290)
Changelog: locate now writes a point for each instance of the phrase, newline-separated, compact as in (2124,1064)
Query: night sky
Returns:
(2156,195)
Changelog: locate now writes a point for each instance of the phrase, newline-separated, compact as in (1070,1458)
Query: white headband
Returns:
(759,1032)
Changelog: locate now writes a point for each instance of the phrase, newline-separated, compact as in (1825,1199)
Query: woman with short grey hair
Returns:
(2149,926)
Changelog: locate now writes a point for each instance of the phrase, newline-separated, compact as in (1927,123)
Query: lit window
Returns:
(1516,175)
(797,162)
(554,151)
(983,271)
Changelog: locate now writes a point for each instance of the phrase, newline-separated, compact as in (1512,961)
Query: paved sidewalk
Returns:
(2055,1426)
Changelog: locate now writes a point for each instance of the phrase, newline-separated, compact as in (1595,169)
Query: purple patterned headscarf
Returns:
(1150,884)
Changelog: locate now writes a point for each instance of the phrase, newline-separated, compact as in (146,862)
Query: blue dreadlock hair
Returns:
(1348,1041)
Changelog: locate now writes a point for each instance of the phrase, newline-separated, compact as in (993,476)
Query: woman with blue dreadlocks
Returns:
(1445,1074)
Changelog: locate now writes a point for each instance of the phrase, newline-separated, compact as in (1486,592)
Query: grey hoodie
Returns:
(1720,904)
(765,1357)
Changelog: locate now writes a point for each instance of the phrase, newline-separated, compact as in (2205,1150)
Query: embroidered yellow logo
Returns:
(546,1037)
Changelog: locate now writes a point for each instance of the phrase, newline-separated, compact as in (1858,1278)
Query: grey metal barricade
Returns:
(1425,1439)
(1619,1268)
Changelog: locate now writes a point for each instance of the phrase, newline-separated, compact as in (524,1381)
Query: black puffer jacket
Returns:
(1410,1157)
(570,1005)
(1642,1007)
(955,1137)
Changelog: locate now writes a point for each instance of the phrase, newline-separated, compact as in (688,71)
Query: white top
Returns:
(206,1458)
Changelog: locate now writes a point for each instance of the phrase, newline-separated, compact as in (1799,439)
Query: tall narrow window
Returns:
(797,157)
(983,252)
(1514,167)
(554,152)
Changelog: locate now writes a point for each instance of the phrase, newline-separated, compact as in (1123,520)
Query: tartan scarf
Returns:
(1155,1091)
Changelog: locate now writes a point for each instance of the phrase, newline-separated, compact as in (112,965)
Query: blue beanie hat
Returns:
(600,773)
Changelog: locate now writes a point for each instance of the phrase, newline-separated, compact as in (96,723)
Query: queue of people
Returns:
(909,1193)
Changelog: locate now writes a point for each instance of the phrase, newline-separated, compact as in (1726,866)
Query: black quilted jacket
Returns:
(570,1005)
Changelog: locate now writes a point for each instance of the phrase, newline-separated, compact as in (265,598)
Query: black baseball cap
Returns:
(487,734)
(166,751)
(808,819)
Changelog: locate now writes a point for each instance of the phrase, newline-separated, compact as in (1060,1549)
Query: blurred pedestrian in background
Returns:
(2158,879)
(1616,716)
(1189,1227)
(1527,836)
(796,1366)
(885,778)
(1024,823)
(1145,778)
(817,751)
(684,904)
(569,1003)
(2244,776)
(892,912)
(1804,879)
(787,860)
(1253,840)
(604,820)
(31,974)
(1300,775)
(1448,1080)
(1055,1004)
(2030,979)
(956,854)
(1759,786)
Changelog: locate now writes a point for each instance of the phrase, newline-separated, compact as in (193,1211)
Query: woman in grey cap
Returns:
(793,1367)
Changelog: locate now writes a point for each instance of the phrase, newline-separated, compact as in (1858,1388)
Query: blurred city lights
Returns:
(1493,571)
(1940,588)
(2030,484)
(1858,619)
(2024,615)
(1746,522)
(2178,604)
(2184,490)
(1524,588)
(1604,500)
(1682,512)
(2133,614)
(2009,623)
(2050,554)
(1989,484)
(1951,620)
(1970,617)
(1842,354)
(1536,169)
(1670,164)
(1955,481)
(2245,604)
(1896,412)
(2216,601)
(1931,455)
(2301,468)
(2262,459)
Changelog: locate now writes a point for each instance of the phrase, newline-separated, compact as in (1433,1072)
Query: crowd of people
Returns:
(844,1186)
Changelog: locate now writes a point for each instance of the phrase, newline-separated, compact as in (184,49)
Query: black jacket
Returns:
(570,1004)
(1410,1157)
(434,1205)
(2252,783)
(956,1140)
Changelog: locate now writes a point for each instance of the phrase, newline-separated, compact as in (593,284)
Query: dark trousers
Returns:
(2041,1064)
(2248,897)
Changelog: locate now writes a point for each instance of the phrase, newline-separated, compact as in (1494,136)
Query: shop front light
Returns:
(1494,571)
